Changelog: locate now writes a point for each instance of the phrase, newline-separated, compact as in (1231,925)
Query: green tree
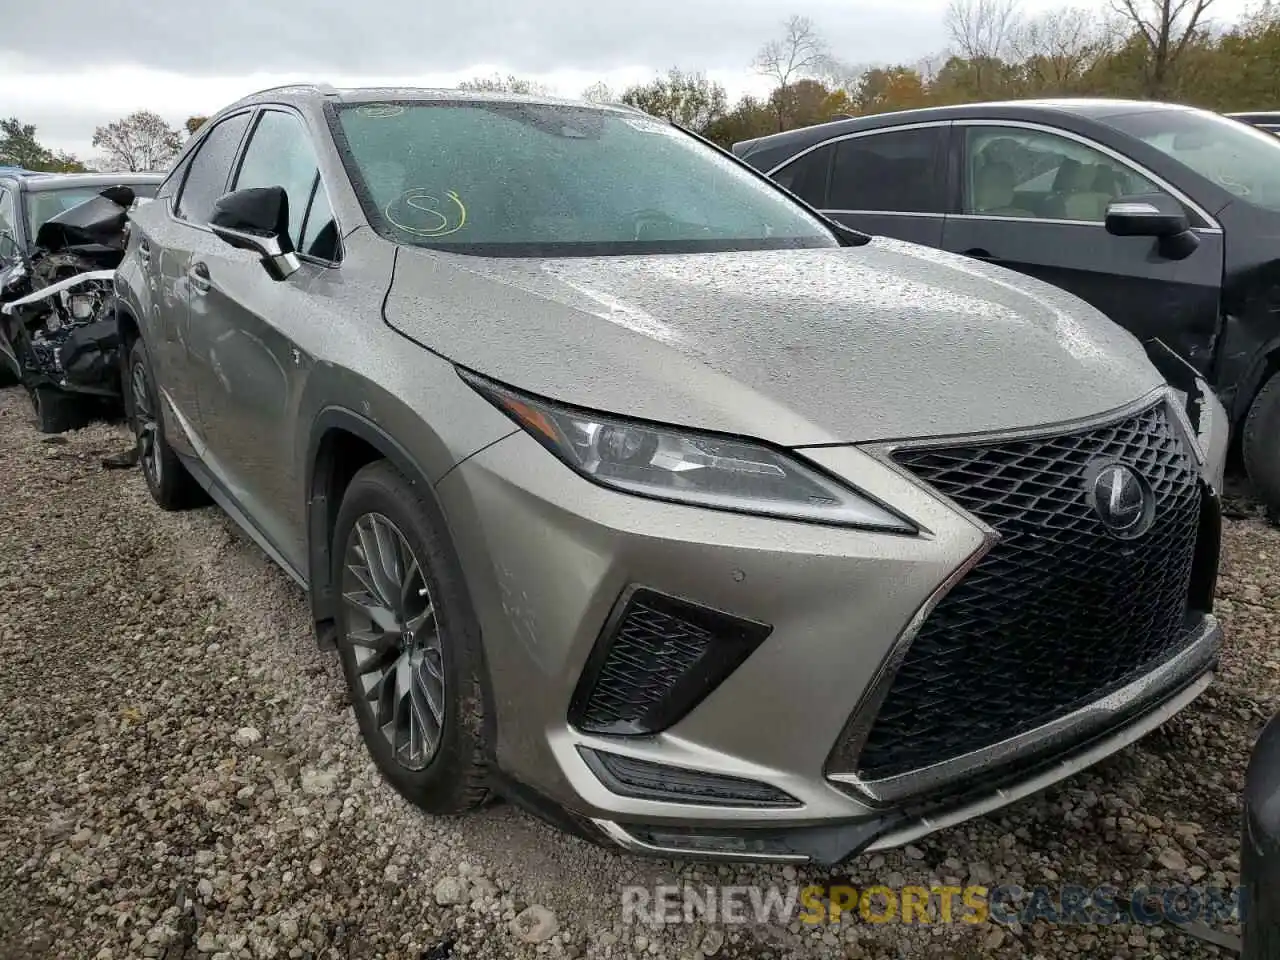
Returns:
(496,83)
(689,99)
(20,148)
(1167,28)
(194,123)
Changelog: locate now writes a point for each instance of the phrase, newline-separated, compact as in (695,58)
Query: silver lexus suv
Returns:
(629,487)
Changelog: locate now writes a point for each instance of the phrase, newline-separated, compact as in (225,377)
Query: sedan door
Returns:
(888,182)
(1035,199)
(250,329)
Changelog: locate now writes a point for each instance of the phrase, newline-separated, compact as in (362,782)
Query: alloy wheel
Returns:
(145,425)
(394,639)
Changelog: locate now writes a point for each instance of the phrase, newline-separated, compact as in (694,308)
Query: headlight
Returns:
(669,463)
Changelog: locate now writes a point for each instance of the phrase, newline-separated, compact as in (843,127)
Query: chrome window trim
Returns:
(924,125)
(1100,148)
(1213,226)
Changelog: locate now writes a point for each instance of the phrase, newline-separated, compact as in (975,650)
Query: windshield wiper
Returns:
(847,236)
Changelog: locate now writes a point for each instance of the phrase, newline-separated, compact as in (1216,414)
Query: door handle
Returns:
(977,253)
(199,277)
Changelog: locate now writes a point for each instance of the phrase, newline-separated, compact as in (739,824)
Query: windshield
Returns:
(1240,158)
(43,205)
(522,179)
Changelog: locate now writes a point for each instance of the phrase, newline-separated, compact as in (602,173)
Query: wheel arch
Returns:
(1265,364)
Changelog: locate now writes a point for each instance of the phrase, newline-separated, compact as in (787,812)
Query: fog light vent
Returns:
(656,659)
(645,780)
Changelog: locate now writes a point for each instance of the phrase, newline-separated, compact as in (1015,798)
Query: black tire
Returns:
(171,486)
(455,777)
(56,412)
(1260,445)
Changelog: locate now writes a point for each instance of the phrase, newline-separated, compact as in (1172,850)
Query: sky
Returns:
(181,58)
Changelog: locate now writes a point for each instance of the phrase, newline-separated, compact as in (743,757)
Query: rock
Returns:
(319,782)
(712,941)
(246,736)
(913,852)
(80,839)
(207,943)
(1172,859)
(317,866)
(534,924)
(994,939)
(288,929)
(450,890)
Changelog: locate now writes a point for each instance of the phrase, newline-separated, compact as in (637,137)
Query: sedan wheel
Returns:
(395,640)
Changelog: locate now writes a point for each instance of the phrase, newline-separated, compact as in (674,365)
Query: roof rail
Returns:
(327,89)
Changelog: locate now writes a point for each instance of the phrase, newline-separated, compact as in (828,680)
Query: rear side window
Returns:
(209,169)
(807,175)
(898,171)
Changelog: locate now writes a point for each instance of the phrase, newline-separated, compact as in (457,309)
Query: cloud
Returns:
(410,36)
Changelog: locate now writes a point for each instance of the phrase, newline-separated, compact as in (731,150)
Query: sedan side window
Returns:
(895,171)
(1015,172)
(807,175)
(280,154)
(208,170)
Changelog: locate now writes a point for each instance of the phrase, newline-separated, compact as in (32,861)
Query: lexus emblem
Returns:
(1123,500)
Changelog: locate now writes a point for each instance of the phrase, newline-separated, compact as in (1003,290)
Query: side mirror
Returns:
(1159,217)
(257,219)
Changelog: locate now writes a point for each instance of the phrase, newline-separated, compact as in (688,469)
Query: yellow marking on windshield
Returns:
(426,202)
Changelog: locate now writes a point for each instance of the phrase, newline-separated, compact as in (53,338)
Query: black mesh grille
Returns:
(1060,611)
(659,656)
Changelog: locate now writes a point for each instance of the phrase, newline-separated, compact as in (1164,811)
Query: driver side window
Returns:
(280,154)
(1033,174)
(7,218)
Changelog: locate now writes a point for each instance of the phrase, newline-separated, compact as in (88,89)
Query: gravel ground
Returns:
(180,774)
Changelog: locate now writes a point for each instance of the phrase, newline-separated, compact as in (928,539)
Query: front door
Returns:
(1035,201)
(251,329)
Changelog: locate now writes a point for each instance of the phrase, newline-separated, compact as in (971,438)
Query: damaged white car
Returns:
(57,309)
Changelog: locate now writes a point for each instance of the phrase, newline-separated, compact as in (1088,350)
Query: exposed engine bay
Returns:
(58,313)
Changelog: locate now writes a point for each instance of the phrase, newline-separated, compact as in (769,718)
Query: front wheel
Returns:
(409,643)
(171,486)
(1260,444)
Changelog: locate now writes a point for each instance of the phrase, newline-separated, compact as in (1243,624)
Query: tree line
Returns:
(1149,49)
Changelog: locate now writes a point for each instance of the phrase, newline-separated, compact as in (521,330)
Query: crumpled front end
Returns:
(58,313)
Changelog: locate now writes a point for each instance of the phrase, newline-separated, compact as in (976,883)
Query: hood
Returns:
(884,341)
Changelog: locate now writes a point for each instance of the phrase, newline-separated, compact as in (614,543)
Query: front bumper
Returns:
(549,557)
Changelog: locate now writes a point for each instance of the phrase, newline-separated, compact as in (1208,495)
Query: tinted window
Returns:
(1015,172)
(529,179)
(209,169)
(895,171)
(1241,159)
(320,231)
(806,176)
(280,154)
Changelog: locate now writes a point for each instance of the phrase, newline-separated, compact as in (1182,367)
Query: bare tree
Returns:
(799,54)
(1166,28)
(981,30)
(141,141)
(1058,47)
(599,92)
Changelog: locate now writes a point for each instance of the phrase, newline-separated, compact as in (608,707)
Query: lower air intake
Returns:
(656,659)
